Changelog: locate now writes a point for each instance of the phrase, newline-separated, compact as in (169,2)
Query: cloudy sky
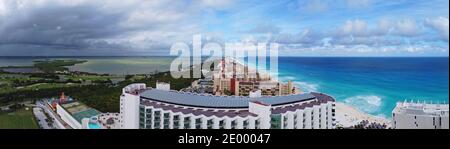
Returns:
(150,27)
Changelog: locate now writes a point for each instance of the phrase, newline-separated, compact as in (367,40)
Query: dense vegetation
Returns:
(55,65)
(103,95)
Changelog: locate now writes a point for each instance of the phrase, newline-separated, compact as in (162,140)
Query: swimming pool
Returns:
(94,126)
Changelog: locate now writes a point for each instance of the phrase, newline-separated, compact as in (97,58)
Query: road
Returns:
(41,118)
(60,124)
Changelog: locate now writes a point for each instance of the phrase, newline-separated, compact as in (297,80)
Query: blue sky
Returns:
(301,27)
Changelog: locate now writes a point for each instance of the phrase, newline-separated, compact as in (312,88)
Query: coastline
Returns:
(347,116)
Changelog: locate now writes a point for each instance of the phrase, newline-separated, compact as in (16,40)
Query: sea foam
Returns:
(365,103)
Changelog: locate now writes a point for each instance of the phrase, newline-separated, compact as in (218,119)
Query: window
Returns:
(233,124)
(187,123)
(176,124)
(285,121)
(246,124)
(141,125)
(198,123)
(157,114)
(275,121)
(257,124)
(166,120)
(157,124)
(210,124)
(221,124)
(157,119)
(176,118)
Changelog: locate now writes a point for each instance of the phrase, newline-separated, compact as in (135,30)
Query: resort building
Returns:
(149,108)
(408,115)
(78,115)
(75,114)
(237,79)
(268,88)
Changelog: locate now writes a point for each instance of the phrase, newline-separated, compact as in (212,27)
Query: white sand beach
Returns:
(347,116)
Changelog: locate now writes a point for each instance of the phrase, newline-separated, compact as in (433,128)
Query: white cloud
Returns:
(355,28)
(441,25)
(408,27)
(2,8)
(141,25)
(384,27)
(84,24)
(363,50)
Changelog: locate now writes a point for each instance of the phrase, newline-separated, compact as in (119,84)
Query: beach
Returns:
(347,116)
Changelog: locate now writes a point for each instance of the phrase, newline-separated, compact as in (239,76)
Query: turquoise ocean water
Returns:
(372,85)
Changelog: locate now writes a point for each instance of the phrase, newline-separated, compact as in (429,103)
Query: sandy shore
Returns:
(347,116)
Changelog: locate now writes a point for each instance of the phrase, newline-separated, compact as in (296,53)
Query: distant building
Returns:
(147,108)
(163,86)
(237,79)
(407,115)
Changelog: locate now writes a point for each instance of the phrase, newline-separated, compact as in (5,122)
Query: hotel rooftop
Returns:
(79,110)
(212,101)
(421,109)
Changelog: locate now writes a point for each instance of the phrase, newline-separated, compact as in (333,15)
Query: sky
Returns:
(151,27)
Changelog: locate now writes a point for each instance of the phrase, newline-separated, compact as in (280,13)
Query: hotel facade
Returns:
(408,115)
(162,108)
(237,79)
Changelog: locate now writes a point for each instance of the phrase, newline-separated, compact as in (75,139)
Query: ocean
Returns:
(372,85)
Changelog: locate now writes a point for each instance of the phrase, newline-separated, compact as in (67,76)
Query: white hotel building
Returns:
(407,115)
(162,108)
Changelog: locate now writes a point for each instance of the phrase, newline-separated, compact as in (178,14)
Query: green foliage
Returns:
(50,66)
(45,76)
(101,95)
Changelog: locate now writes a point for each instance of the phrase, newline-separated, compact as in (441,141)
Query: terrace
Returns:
(79,110)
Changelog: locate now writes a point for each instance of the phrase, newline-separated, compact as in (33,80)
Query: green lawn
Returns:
(37,86)
(89,77)
(21,119)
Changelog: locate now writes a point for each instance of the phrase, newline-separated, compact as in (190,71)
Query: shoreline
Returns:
(347,116)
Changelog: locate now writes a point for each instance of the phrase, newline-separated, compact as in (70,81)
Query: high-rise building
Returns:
(148,108)
(408,115)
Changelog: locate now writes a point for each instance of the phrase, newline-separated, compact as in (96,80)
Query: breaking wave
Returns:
(365,103)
